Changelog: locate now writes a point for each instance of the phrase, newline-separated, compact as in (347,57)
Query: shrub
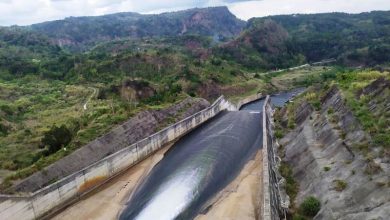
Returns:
(310,206)
(6,109)
(3,130)
(56,138)
(317,105)
(292,186)
(298,217)
(330,110)
(291,124)
(278,133)
(326,168)
(340,185)
(216,62)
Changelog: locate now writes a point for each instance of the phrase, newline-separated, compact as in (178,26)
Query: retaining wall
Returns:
(76,185)
(248,100)
(272,206)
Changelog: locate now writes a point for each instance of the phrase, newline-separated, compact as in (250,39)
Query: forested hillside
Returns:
(355,39)
(79,33)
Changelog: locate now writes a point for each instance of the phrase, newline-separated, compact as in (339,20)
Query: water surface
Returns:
(197,167)
(277,100)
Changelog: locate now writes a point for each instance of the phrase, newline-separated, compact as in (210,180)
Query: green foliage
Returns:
(310,206)
(86,32)
(373,121)
(3,129)
(292,186)
(326,169)
(56,137)
(317,105)
(347,35)
(340,185)
(279,133)
(330,110)
(297,216)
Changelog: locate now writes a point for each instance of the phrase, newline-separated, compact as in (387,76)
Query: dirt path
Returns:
(240,199)
(94,92)
(109,200)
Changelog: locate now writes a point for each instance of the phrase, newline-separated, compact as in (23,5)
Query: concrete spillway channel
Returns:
(211,173)
(197,167)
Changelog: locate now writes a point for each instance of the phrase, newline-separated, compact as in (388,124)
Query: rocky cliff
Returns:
(335,160)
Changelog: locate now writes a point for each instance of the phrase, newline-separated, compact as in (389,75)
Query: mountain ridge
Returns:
(84,32)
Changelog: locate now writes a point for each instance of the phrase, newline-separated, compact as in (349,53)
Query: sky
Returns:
(25,12)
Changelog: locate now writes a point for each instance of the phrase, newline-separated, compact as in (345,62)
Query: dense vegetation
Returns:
(80,33)
(355,39)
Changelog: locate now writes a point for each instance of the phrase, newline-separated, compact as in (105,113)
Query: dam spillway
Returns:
(197,167)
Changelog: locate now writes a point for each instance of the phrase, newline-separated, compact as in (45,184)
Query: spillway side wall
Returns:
(271,206)
(71,188)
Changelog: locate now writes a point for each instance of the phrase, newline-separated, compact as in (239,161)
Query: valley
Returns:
(164,91)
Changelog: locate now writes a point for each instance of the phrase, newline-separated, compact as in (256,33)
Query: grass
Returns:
(297,78)
(340,185)
(292,186)
(374,121)
(30,106)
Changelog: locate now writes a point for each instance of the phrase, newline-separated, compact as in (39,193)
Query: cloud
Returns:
(24,12)
(246,10)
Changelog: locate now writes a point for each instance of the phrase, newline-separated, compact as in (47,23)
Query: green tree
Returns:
(56,138)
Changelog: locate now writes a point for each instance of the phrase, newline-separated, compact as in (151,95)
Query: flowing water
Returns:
(199,165)
(278,100)
(196,167)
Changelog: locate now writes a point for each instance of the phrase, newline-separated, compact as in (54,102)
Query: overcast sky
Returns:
(24,12)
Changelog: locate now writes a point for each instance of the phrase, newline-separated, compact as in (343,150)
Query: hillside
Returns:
(281,41)
(82,32)
(25,52)
(355,39)
(334,144)
(264,44)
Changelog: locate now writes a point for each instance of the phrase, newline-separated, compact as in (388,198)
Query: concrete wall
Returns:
(248,100)
(272,206)
(74,186)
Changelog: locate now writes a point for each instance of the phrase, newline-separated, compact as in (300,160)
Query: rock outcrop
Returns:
(323,151)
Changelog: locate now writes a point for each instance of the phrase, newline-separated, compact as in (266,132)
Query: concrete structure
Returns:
(71,188)
(248,100)
(272,206)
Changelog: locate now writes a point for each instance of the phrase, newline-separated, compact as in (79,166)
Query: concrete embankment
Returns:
(76,185)
(105,202)
(272,207)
